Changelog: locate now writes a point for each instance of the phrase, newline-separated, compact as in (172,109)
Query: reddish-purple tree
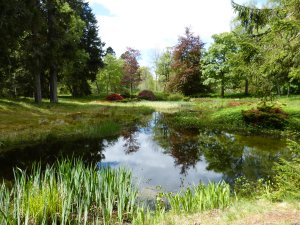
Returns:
(186,65)
(131,77)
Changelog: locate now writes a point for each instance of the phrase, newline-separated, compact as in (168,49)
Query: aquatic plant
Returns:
(69,192)
(200,198)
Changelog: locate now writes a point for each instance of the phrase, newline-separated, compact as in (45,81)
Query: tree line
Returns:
(48,45)
(44,42)
(260,55)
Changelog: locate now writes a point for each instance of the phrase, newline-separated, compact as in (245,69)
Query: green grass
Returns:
(24,122)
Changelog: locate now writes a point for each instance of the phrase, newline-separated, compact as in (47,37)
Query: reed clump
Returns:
(69,192)
(200,198)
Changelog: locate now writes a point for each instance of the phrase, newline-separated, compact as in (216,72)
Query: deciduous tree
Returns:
(186,65)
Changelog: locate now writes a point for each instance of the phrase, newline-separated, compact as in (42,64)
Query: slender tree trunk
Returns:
(222,91)
(222,87)
(37,80)
(97,86)
(278,89)
(53,84)
(246,87)
(130,90)
(288,89)
(37,65)
(52,52)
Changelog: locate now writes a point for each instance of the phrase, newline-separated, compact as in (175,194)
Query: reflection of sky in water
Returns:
(152,167)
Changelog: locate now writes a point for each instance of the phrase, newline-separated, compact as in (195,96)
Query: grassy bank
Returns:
(23,122)
(226,114)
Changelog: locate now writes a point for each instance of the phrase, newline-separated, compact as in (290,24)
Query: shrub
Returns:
(287,177)
(266,115)
(176,97)
(114,97)
(147,95)
(161,96)
(125,94)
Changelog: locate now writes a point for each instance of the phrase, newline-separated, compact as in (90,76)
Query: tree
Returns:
(216,64)
(110,76)
(186,65)
(163,67)
(147,81)
(276,38)
(131,77)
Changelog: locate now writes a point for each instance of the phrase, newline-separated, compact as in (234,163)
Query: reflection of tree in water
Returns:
(131,143)
(182,145)
(226,155)
(222,154)
(184,148)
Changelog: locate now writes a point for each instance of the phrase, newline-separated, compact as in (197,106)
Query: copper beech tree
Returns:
(186,65)
(131,77)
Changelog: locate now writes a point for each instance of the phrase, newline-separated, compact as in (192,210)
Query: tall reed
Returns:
(199,198)
(68,192)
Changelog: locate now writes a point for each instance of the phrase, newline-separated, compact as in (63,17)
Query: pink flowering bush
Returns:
(114,97)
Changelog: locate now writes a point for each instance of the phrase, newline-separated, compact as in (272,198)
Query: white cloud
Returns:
(155,24)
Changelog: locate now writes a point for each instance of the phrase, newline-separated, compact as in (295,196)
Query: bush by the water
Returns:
(114,97)
(287,178)
(147,95)
(175,97)
(266,116)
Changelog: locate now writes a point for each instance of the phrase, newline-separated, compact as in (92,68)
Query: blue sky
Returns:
(152,25)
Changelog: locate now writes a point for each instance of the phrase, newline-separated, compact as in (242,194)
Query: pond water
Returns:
(162,156)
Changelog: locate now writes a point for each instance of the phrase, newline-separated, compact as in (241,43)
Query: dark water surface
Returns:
(160,155)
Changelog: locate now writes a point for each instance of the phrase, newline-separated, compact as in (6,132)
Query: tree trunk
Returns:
(246,87)
(288,89)
(52,52)
(37,65)
(278,89)
(222,91)
(38,86)
(53,84)
(130,90)
(222,87)
(98,88)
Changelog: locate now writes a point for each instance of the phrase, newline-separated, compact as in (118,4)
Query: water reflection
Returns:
(161,155)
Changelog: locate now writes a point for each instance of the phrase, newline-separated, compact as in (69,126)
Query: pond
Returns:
(161,156)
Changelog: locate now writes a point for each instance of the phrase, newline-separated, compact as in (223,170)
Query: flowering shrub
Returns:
(147,95)
(114,97)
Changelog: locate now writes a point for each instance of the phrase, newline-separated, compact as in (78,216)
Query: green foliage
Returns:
(287,178)
(175,97)
(200,198)
(245,188)
(216,66)
(147,81)
(163,67)
(110,76)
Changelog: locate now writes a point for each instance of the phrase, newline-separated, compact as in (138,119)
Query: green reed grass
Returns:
(69,192)
(200,198)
